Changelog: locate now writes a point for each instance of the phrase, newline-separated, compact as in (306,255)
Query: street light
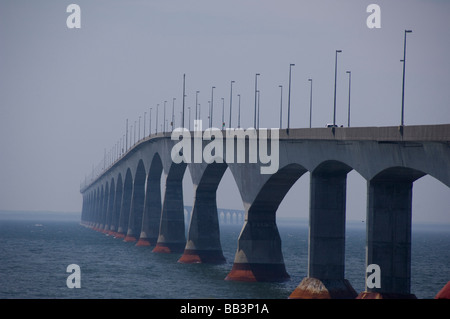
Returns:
(184,95)
(231,102)
(164,117)
(223,113)
(173,113)
(349,87)
(211,106)
(256,89)
(157,106)
(239,111)
(196,104)
(126,143)
(281,105)
(289,98)
(257,123)
(403,83)
(310,103)
(335,79)
(145,115)
(150,123)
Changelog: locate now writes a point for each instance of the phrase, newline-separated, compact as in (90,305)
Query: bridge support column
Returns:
(326,239)
(171,237)
(389,238)
(152,213)
(203,244)
(259,256)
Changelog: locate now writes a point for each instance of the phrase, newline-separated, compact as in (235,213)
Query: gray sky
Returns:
(65,93)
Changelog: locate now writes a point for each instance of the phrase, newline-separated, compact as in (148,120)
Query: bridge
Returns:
(123,198)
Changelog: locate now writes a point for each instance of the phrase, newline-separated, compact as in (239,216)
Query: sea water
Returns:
(35,253)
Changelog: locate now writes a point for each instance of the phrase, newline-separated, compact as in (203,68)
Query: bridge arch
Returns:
(118,196)
(125,205)
(259,256)
(110,205)
(203,243)
(137,203)
(152,204)
(171,236)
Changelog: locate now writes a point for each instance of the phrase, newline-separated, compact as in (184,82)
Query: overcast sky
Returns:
(65,94)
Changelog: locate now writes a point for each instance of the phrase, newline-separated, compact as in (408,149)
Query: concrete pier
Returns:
(171,237)
(326,243)
(389,231)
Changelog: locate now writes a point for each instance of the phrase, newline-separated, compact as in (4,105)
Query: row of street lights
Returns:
(126,142)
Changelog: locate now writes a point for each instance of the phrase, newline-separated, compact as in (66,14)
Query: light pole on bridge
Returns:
(231,102)
(281,105)
(335,80)
(256,89)
(289,98)
(403,83)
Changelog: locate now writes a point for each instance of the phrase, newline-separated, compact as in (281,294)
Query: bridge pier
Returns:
(259,256)
(203,244)
(326,246)
(125,206)
(152,212)
(171,237)
(389,232)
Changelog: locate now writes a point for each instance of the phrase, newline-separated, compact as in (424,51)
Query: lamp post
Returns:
(145,115)
(157,106)
(150,123)
(335,80)
(223,113)
(281,105)
(257,123)
(239,111)
(139,131)
(310,103)
(196,104)
(173,113)
(289,98)
(126,141)
(164,117)
(184,95)
(403,83)
(349,87)
(231,102)
(256,89)
(211,107)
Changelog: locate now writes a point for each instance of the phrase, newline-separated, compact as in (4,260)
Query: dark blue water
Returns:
(34,255)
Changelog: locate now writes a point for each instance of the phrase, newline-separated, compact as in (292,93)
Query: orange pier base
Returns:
(167,248)
(143,242)
(258,272)
(384,295)
(444,293)
(129,239)
(312,288)
(193,256)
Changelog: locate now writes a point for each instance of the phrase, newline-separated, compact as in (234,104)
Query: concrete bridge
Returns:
(124,199)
